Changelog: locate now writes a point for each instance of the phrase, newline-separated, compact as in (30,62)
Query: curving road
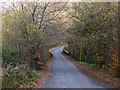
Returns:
(66,75)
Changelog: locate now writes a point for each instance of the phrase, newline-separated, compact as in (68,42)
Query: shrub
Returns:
(115,66)
(10,56)
(37,63)
(100,61)
(116,70)
(19,75)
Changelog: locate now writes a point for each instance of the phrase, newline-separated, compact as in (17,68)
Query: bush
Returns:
(116,70)
(100,61)
(10,56)
(19,75)
(37,63)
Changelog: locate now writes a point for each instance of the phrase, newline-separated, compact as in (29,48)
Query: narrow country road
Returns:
(66,75)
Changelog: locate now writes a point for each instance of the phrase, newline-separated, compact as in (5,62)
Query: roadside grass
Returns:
(29,82)
(32,81)
(102,73)
(84,63)
(106,74)
(58,46)
(91,65)
(50,52)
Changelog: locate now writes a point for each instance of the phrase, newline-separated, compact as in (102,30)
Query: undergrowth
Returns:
(19,75)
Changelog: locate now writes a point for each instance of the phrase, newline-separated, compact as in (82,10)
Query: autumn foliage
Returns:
(93,35)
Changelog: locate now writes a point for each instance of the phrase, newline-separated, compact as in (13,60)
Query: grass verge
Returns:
(58,46)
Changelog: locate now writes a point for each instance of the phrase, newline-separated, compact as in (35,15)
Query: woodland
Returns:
(30,29)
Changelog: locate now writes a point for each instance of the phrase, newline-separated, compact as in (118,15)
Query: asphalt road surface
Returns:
(66,75)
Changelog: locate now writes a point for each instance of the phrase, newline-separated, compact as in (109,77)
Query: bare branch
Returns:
(45,7)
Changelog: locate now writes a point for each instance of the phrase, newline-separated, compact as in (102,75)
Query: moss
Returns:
(51,54)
